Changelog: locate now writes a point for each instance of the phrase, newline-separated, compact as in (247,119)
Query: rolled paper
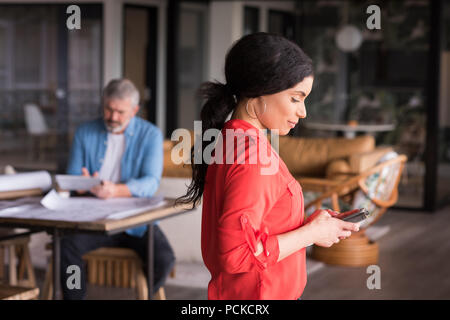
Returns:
(25,181)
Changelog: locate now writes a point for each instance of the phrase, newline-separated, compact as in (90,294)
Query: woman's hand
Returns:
(327,230)
(314,215)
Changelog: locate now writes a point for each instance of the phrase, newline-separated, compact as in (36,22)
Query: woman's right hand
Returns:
(327,230)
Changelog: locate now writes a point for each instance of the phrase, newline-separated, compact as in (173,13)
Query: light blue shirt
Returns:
(142,162)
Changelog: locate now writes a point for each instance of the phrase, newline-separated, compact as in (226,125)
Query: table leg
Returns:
(150,260)
(56,264)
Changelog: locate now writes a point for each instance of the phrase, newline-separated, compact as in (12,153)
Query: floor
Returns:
(414,264)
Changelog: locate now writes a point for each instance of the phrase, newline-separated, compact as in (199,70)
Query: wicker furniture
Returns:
(376,189)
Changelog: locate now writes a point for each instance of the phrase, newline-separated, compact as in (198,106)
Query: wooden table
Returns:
(109,227)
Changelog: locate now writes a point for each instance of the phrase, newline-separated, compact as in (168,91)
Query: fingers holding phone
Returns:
(328,230)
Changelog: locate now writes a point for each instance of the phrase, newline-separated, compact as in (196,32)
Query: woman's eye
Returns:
(294,100)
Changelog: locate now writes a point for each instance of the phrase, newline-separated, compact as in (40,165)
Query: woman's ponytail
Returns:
(220,102)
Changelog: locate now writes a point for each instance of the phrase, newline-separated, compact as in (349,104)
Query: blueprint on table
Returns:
(55,207)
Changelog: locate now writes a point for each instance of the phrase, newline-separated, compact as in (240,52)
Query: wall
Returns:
(226,25)
(182,231)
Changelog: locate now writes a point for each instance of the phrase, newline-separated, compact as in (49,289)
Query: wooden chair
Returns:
(375,189)
(17,247)
(19,261)
(18,293)
(116,267)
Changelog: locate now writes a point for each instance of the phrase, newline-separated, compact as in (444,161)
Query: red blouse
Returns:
(242,206)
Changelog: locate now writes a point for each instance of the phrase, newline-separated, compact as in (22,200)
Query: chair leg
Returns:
(141,282)
(117,274)
(161,294)
(21,263)
(47,291)
(92,271)
(12,265)
(30,269)
(142,288)
(26,265)
(125,274)
(2,264)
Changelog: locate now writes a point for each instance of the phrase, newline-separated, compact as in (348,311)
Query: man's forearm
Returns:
(143,187)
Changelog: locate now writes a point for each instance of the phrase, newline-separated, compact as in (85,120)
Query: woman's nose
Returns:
(301,112)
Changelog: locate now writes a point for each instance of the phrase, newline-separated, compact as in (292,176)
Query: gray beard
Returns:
(116,129)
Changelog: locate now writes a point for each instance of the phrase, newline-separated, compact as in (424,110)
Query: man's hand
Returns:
(85,173)
(105,190)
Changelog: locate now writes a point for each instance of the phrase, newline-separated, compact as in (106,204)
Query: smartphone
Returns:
(356,215)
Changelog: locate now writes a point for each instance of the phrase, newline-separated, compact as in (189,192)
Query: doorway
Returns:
(140,41)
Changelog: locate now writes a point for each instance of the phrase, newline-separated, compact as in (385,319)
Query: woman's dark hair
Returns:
(258,64)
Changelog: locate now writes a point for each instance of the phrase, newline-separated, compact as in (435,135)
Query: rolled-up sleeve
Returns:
(248,196)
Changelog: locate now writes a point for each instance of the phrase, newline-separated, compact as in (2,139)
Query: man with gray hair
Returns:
(126,152)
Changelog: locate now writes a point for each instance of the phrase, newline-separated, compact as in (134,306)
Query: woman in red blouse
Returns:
(254,233)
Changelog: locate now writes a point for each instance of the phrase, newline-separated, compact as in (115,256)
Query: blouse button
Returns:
(267,253)
(244,220)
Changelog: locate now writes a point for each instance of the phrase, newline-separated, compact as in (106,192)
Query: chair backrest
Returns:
(311,156)
(375,189)
(8,169)
(35,120)
(382,186)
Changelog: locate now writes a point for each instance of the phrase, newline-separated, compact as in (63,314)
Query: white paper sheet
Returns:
(72,183)
(25,180)
(79,209)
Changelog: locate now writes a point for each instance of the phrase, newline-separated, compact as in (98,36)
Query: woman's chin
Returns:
(281,132)
(284,132)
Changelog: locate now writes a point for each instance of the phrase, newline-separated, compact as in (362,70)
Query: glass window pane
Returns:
(251,20)
(282,22)
(191,62)
(84,73)
(375,83)
(32,118)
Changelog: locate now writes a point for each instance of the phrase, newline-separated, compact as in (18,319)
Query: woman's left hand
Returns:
(316,213)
